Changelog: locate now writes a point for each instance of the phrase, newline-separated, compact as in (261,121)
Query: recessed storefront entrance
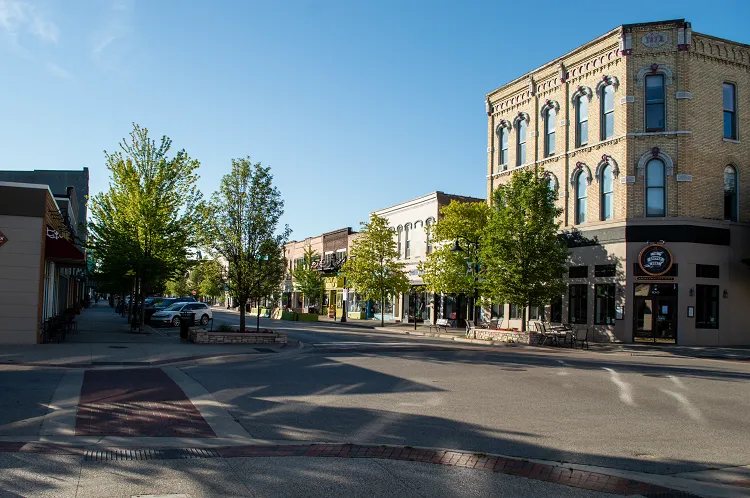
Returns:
(655,313)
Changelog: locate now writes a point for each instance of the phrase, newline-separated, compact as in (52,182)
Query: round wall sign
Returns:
(655,259)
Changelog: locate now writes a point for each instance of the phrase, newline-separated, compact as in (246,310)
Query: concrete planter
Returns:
(201,336)
(503,336)
(307,317)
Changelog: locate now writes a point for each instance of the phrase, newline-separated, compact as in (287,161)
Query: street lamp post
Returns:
(475,270)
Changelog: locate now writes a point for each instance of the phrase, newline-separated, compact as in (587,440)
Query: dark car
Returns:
(163,304)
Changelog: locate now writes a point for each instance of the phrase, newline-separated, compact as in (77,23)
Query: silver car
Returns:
(171,315)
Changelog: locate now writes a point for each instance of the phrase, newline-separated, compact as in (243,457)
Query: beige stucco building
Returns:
(644,134)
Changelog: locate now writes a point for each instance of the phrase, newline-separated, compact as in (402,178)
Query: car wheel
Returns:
(176,321)
(204,320)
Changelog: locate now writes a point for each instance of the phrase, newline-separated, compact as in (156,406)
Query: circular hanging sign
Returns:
(655,260)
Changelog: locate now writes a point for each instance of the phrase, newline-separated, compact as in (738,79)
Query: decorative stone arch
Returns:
(421,224)
(606,81)
(640,78)
(655,153)
(607,160)
(504,123)
(399,228)
(429,221)
(581,169)
(522,116)
(581,91)
(550,104)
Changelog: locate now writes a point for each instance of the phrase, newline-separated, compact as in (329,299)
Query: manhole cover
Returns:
(118,347)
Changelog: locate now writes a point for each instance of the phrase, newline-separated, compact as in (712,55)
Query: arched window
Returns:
(608,112)
(607,183)
(656,199)
(655,108)
(521,145)
(398,239)
(407,239)
(581,185)
(549,131)
(730,193)
(582,121)
(502,158)
(552,182)
(428,239)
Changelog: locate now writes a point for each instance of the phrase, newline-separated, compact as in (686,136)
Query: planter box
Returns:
(307,317)
(356,315)
(288,315)
(502,335)
(201,336)
(264,312)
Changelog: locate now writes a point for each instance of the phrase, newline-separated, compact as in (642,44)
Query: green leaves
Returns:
(307,280)
(524,256)
(372,268)
(243,218)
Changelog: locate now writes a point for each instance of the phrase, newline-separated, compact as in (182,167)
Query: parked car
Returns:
(163,304)
(171,314)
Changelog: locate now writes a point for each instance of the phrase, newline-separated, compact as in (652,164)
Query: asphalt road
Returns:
(646,413)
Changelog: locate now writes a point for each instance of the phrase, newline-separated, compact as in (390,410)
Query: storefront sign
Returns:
(654,39)
(655,260)
(3,239)
(334,283)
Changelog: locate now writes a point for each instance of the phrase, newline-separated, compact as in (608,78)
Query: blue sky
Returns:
(356,105)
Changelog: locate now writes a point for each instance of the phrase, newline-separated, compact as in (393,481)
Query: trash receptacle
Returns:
(187,320)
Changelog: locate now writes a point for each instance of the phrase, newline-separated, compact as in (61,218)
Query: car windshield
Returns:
(175,307)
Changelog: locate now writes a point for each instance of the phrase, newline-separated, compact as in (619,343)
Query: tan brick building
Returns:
(644,134)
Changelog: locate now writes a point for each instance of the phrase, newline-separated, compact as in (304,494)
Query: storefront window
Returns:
(578,303)
(605,304)
(515,312)
(536,312)
(556,310)
(707,306)
(498,310)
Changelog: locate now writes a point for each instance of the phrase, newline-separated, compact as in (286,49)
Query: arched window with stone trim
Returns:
(399,230)
(503,134)
(730,193)
(656,188)
(407,240)
(581,185)
(605,90)
(521,128)
(607,185)
(549,116)
(428,236)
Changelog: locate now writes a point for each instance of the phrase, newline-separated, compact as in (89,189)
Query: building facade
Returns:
(643,134)
(42,267)
(410,222)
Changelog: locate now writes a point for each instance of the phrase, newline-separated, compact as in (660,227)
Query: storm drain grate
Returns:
(669,493)
(148,454)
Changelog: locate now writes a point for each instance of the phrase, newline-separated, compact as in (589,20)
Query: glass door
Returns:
(666,318)
(644,320)
(655,313)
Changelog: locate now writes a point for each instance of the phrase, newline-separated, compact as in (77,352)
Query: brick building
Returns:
(642,133)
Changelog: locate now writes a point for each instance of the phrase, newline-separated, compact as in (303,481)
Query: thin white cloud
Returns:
(59,71)
(20,16)
(107,38)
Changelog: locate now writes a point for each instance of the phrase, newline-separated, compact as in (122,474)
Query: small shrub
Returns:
(224,328)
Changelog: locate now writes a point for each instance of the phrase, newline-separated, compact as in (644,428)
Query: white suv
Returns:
(171,315)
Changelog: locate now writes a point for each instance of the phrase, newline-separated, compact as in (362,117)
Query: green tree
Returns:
(212,283)
(372,268)
(151,214)
(525,258)
(307,280)
(241,228)
(455,266)
(178,286)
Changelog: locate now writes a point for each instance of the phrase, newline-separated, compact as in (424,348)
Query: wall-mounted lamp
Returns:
(726,294)
(692,292)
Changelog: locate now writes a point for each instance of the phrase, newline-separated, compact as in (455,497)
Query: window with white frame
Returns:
(521,144)
(407,240)
(398,240)
(428,238)
(607,185)
(502,158)
(655,103)
(581,195)
(608,112)
(656,179)
(549,132)
(582,121)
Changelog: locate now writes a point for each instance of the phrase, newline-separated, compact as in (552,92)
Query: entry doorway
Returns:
(655,313)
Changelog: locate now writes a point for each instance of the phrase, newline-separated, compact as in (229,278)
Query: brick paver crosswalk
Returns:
(136,402)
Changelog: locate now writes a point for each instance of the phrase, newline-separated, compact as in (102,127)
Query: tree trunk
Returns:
(523,318)
(382,309)
(257,320)
(142,301)
(242,315)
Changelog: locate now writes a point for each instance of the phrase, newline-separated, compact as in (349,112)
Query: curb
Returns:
(557,474)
